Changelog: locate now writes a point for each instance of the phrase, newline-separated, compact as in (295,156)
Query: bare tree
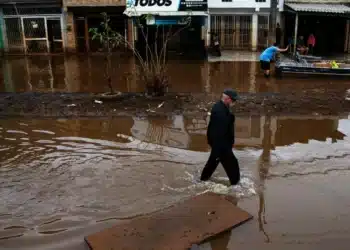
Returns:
(152,68)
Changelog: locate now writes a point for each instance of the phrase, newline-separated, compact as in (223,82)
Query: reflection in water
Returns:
(86,74)
(264,165)
(187,133)
(221,242)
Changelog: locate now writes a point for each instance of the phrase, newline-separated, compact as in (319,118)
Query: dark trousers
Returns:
(311,49)
(228,161)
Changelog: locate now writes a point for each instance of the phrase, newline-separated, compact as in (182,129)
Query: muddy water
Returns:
(82,74)
(63,179)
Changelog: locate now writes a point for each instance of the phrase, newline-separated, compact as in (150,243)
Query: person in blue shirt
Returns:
(267,55)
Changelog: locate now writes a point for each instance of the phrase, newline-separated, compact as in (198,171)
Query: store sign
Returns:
(166,5)
(193,5)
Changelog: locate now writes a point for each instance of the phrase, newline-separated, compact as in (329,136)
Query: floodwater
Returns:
(61,180)
(86,74)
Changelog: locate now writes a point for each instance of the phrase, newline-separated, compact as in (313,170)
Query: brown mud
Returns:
(29,104)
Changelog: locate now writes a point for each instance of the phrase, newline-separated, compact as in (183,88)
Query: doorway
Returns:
(54,35)
(81,34)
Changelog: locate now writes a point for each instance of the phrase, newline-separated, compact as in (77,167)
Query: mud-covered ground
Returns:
(90,105)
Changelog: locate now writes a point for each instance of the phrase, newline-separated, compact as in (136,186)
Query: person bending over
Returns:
(267,55)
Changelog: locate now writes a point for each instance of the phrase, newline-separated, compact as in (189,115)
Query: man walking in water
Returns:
(221,138)
(268,55)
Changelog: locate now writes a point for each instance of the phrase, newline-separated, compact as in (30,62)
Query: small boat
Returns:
(310,65)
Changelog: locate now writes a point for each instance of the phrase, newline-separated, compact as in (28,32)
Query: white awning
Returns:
(319,8)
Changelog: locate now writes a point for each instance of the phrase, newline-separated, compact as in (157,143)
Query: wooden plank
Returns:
(178,227)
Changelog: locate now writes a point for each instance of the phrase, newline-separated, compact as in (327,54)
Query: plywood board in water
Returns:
(191,221)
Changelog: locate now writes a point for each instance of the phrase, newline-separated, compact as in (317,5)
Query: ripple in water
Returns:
(220,185)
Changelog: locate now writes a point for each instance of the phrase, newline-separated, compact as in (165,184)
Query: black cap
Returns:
(231,93)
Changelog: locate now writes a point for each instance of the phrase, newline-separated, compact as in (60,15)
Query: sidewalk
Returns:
(249,56)
(235,56)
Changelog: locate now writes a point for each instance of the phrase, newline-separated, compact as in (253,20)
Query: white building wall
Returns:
(238,4)
(280,5)
(245,8)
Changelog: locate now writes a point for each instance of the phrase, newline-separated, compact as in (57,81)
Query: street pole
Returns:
(272,21)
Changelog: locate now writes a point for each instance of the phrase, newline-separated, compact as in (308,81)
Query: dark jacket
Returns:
(220,133)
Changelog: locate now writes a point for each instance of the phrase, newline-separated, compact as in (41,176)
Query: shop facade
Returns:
(328,21)
(32,26)
(182,23)
(82,15)
(241,24)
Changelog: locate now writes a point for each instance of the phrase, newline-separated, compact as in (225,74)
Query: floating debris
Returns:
(160,105)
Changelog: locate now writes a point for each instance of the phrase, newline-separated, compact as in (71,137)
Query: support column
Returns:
(64,28)
(278,18)
(254,32)
(70,32)
(346,43)
(349,39)
(136,32)
(296,32)
(237,34)
(207,41)
(130,33)
(283,28)
(87,35)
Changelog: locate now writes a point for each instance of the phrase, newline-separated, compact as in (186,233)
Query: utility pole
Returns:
(272,21)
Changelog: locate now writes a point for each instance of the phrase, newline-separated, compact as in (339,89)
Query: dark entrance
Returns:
(328,30)
(80,34)
(54,35)
(87,18)
(183,41)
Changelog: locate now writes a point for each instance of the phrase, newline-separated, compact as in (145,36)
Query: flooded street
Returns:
(86,74)
(64,179)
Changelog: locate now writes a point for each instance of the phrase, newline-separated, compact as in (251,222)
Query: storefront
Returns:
(81,16)
(241,25)
(178,24)
(329,23)
(32,27)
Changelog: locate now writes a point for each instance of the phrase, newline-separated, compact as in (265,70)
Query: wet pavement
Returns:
(86,74)
(63,179)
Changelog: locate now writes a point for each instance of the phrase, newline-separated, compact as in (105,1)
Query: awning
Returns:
(319,8)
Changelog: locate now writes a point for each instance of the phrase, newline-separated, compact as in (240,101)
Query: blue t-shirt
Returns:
(268,53)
